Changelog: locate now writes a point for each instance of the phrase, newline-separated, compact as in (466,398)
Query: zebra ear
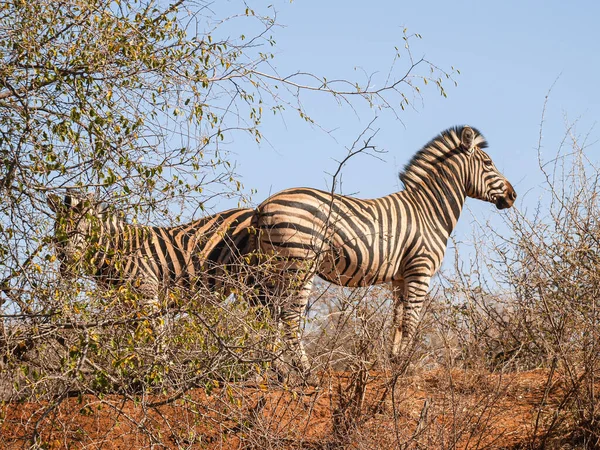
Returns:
(467,139)
(76,201)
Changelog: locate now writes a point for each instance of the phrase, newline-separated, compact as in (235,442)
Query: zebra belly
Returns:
(354,269)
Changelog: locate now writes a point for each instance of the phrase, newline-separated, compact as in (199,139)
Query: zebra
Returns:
(152,261)
(214,253)
(399,239)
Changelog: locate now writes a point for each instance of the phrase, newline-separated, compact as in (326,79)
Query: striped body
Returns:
(203,254)
(400,238)
(354,242)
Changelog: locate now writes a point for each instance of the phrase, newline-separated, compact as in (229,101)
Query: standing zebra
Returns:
(211,254)
(152,261)
(400,238)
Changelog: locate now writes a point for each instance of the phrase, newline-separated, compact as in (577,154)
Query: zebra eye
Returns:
(488,163)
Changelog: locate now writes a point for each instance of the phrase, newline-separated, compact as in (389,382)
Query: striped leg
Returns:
(160,323)
(288,295)
(399,299)
(415,291)
(290,318)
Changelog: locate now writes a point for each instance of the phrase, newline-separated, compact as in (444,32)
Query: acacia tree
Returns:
(131,100)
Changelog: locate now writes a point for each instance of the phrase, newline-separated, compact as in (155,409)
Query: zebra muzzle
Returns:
(508,199)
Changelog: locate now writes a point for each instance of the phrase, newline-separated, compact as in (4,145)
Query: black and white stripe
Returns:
(400,238)
(204,253)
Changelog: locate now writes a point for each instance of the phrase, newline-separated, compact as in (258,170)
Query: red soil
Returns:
(440,409)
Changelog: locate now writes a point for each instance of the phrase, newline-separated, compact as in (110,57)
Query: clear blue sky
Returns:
(509,54)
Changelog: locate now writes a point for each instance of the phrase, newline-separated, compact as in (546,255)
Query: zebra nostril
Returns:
(513,195)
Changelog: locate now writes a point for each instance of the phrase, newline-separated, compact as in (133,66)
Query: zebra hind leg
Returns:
(289,301)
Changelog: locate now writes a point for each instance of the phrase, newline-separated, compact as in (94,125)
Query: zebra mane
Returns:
(421,168)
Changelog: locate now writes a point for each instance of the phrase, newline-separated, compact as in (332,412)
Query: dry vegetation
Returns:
(507,356)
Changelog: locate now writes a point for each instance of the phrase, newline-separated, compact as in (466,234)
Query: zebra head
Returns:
(77,217)
(484,181)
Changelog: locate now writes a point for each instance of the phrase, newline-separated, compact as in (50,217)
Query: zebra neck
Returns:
(441,201)
(116,240)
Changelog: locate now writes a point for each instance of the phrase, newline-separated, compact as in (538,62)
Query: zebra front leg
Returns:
(399,298)
(415,290)
(160,324)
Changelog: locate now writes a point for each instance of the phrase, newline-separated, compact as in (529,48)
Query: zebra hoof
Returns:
(302,380)
(400,363)
(297,378)
(309,379)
